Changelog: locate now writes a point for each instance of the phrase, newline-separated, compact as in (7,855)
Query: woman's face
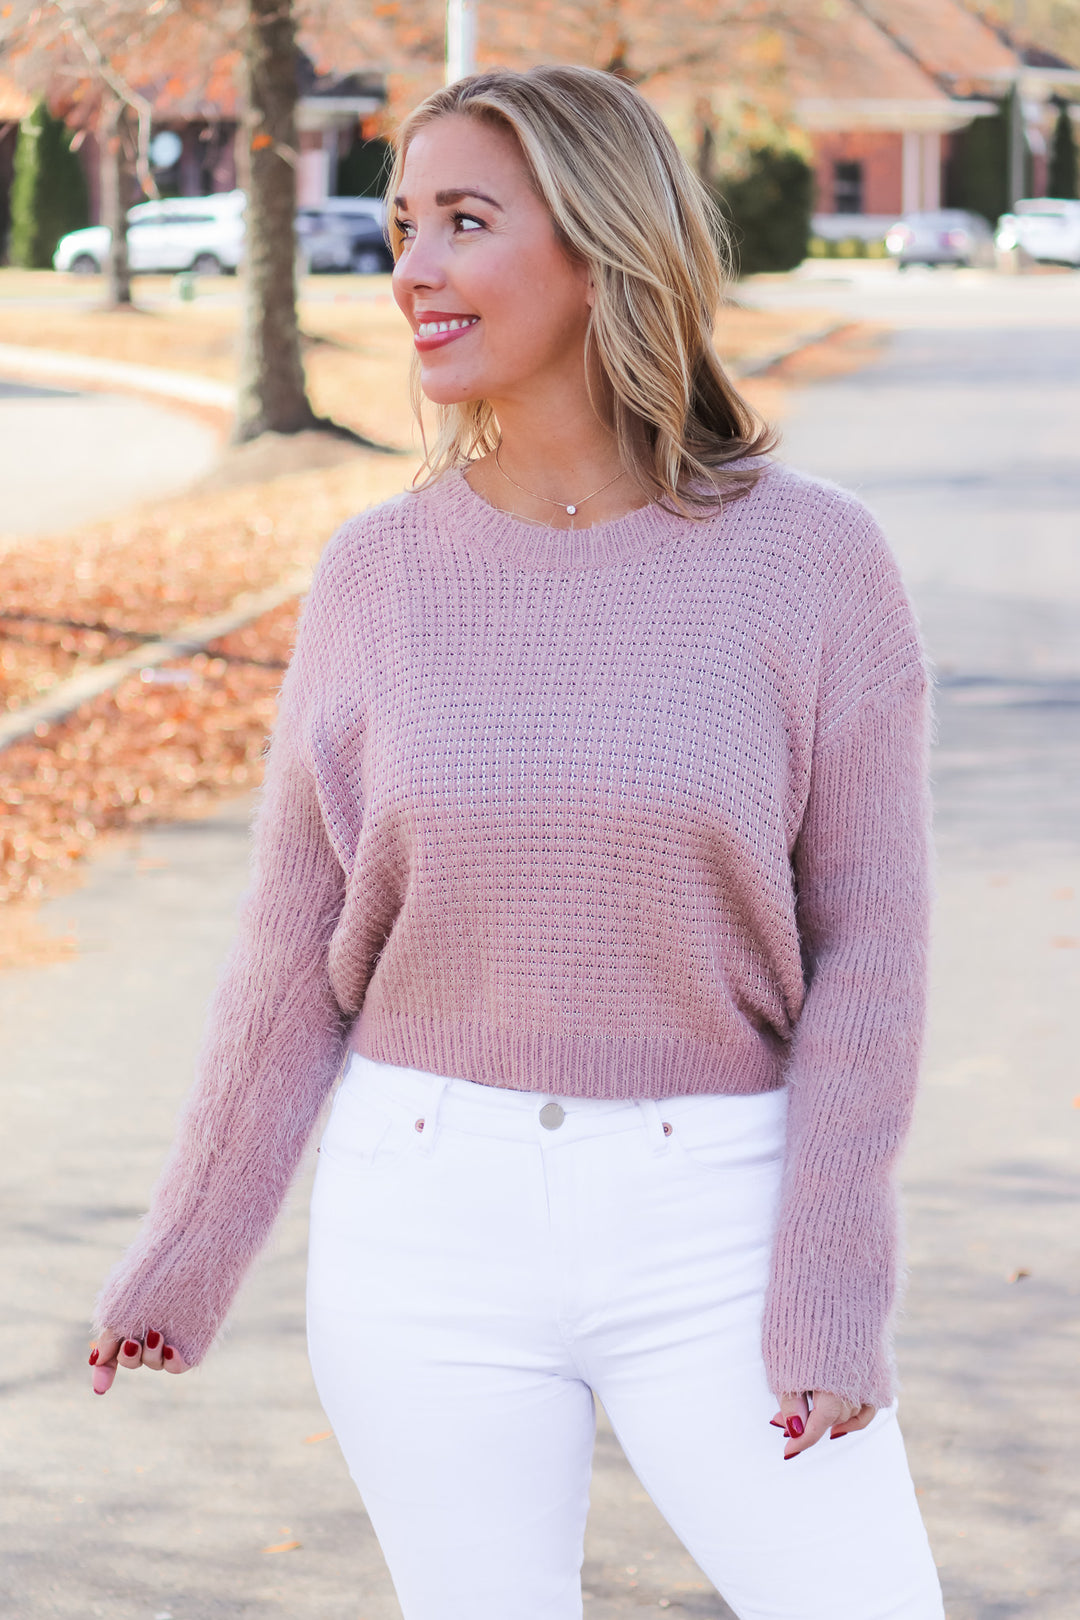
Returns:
(479,249)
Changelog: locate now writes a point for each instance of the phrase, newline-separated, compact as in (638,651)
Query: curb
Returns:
(59,366)
(806,340)
(189,638)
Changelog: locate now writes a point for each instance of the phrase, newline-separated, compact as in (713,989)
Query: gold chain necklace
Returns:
(569,507)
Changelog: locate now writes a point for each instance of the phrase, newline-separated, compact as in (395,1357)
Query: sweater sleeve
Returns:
(861,866)
(273,1046)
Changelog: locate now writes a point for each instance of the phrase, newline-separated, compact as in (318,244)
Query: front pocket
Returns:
(732,1136)
(361,1134)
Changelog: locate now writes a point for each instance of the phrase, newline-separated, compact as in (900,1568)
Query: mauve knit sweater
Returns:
(625,811)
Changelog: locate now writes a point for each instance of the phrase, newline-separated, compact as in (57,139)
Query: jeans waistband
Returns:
(502,1111)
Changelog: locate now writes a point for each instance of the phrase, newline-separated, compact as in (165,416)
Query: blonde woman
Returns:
(594,848)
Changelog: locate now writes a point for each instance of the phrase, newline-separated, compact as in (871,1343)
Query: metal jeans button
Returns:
(552,1115)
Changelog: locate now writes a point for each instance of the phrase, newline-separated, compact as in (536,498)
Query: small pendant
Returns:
(571,510)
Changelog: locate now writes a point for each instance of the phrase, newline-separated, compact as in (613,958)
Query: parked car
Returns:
(1045,228)
(941,236)
(345,234)
(204,234)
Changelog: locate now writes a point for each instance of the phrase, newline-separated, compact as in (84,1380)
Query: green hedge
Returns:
(48,191)
(978,175)
(1061,180)
(768,204)
(847,247)
(364,169)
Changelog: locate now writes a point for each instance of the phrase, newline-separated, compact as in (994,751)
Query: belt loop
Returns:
(654,1124)
(430,1114)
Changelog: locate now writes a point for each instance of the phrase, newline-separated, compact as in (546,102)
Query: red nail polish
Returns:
(842,1436)
(93,1358)
(130,1347)
(776,1425)
(153,1339)
(168,1352)
(789,1456)
(795,1425)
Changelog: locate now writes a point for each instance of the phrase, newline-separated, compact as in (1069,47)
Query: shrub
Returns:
(768,204)
(978,174)
(364,168)
(48,192)
(1061,180)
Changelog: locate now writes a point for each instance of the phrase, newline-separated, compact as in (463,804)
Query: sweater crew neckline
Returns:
(462,514)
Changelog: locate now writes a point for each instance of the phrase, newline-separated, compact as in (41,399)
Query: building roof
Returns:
(962,52)
(850,73)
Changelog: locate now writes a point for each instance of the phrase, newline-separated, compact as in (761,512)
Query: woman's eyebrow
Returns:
(445,199)
(458,193)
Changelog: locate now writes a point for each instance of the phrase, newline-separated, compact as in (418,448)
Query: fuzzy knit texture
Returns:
(634,810)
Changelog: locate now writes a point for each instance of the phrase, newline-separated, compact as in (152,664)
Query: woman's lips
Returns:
(434,331)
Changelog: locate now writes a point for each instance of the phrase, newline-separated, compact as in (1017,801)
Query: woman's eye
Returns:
(404,228)
(468,222)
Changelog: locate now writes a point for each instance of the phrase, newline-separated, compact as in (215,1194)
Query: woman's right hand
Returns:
(113,1351)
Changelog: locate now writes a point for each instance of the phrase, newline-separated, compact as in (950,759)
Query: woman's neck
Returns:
(550,460)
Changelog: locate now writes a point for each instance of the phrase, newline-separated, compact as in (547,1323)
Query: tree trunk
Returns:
(115,196)
(272,395)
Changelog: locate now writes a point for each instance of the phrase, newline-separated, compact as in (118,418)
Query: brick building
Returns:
(882,88)
(14,106)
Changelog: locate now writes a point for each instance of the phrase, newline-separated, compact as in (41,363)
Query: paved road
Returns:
(158,1501)
(965,440)
(113,450)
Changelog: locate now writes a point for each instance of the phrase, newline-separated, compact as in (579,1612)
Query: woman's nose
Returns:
(420,265)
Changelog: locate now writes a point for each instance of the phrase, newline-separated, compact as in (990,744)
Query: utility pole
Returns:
(460,39)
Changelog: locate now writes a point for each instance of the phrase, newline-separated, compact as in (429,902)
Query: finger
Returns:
(174,1361)
(103,1378)
(104,1348)
(795,1411)
(862,1417)
(103,1360)
(153,1350)
(129,1354)
(827,1410)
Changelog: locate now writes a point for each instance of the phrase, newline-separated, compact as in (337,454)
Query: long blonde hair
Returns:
(626,203)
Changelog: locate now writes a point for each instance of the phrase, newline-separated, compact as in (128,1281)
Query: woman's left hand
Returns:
(831,1415)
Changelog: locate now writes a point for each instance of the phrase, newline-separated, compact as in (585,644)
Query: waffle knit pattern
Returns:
(629,811)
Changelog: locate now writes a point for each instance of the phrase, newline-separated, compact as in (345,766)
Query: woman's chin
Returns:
(447,391)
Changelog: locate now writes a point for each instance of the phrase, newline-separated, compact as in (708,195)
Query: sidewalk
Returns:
(114,450)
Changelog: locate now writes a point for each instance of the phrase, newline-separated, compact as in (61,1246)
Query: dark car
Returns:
(942,236)
(344,234)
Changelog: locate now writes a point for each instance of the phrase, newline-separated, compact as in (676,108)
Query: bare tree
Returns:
(712,65)
(103,61)
(75,52)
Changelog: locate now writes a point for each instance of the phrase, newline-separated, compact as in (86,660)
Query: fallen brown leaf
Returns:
(283,1546)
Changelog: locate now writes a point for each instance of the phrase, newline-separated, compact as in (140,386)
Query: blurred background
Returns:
(193,396)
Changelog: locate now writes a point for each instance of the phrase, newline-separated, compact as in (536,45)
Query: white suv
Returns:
(204,234)
(1045,228)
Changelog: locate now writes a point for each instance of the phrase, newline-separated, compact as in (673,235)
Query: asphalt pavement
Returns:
(167,1500)
(965,442)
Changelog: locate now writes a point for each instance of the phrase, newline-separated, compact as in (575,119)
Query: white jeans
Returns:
(470,1285)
